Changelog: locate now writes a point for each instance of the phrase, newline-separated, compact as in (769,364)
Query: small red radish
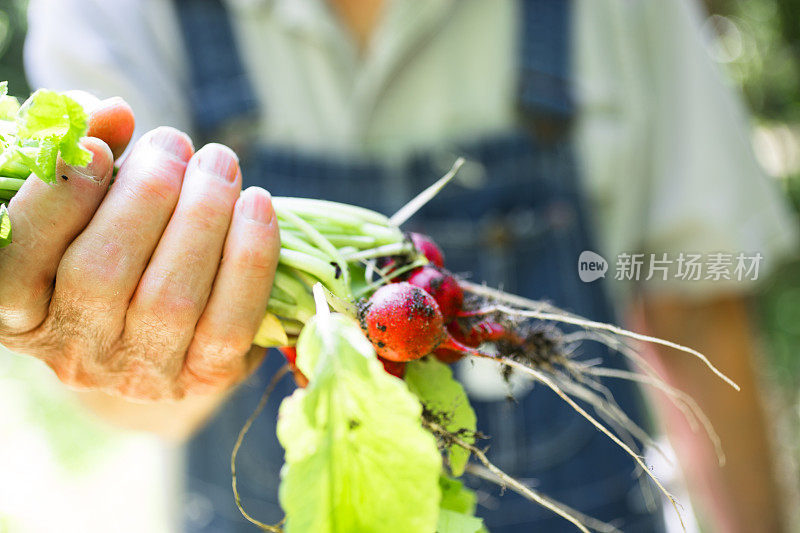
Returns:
(403,322)
(428,248)
(463,337)
(394,368)
(290,353)
(442,286)
(448,356)
(488,331)
(471,338)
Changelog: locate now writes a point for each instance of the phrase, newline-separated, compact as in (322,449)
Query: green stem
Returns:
(288,284)
(13,167)
(290,240)
(11,184)
(312,207)
(325,272)
(321,242)
(287,310)
(421,261)
(400,248)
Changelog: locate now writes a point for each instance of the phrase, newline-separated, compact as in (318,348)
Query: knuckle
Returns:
(152,174)
(163,305)
(255,262)
(201,377)
(158,183)
(70,370)
(18,317)
(218,359)
(90,265)
(146,370)
(208,214)
(228,343)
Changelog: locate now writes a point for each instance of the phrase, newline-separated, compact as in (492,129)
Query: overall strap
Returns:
(220,92)
(545,58)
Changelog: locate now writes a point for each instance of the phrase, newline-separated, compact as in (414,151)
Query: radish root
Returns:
(240,438)
(543,378)
(534,309)
(507,481)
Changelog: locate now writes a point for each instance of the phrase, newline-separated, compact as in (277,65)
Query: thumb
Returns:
(46,218)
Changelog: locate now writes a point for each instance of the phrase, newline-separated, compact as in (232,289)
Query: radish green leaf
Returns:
(433,382)
(357,457)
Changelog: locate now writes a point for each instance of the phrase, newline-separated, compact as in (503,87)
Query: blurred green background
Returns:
(757,42)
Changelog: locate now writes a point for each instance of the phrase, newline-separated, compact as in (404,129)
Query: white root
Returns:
(616,344)
(540,376)
(593,523)
(610,410)
(507,480)
(240,438)
(534,310)
(683,401)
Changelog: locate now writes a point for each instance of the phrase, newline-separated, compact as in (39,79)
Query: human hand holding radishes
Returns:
(150,289)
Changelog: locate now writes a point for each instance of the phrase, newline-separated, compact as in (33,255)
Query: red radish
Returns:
(471,338)
(387,263)
(394,368)
(442,286)
(428,248)
(488,331)
(484,331)
(290,353)
(403,322)
(448,356)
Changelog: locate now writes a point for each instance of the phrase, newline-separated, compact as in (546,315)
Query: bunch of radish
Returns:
(393,284)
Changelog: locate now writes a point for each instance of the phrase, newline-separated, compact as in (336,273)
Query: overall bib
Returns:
(518,224)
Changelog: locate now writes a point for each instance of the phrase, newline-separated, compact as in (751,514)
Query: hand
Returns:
(152,288)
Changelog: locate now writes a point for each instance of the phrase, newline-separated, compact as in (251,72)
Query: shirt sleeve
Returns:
(127,48)
(691,182)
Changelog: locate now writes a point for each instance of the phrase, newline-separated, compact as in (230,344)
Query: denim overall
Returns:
(517,224)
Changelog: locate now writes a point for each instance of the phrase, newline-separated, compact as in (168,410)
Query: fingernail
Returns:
(218,160)
(256,205)
(172,141)
(97,169)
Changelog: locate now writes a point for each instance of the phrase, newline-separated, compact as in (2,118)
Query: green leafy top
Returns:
(357,457)
(433,382)
(49,123)
(457,508)
(32,135)
(8,104)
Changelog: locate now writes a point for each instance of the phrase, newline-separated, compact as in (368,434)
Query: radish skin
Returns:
(442,286)
(403,322)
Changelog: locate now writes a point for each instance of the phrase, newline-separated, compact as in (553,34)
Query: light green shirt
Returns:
(663,140)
